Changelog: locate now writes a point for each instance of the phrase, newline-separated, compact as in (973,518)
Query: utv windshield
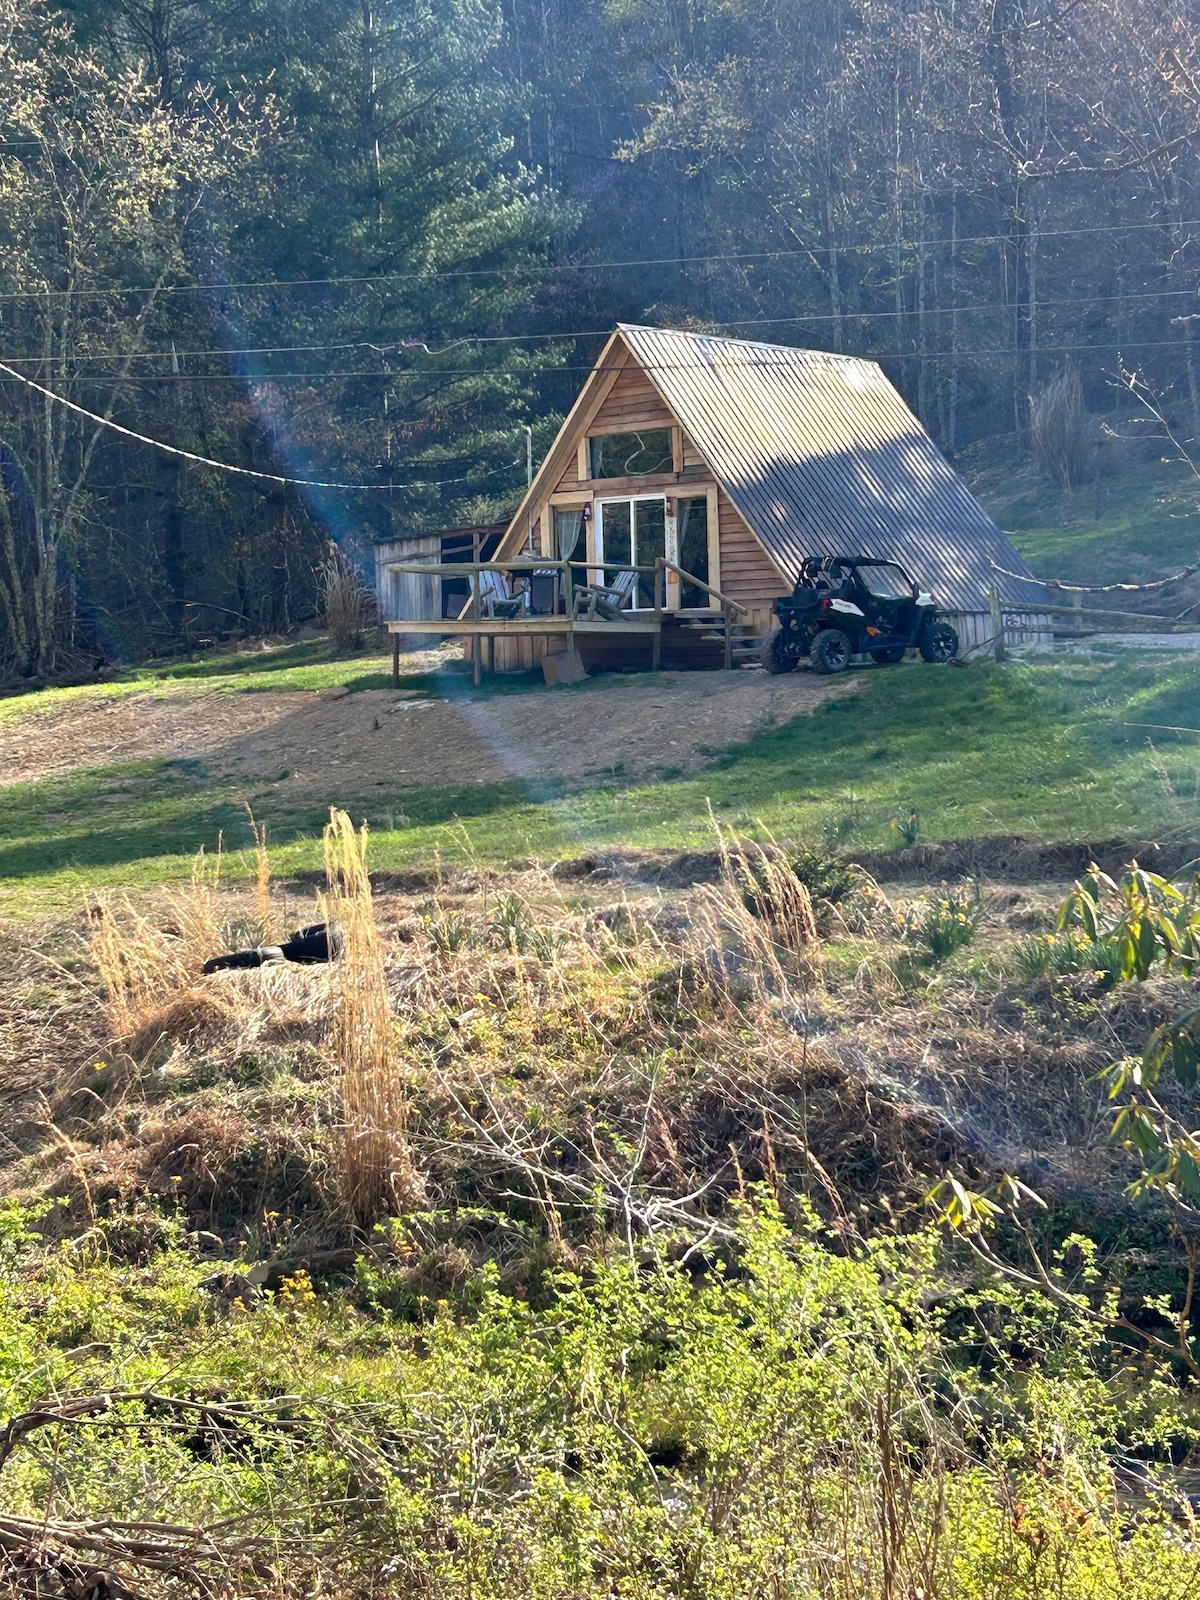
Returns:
(885,582)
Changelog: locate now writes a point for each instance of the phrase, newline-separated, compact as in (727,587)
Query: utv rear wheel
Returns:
(939,643)
(830,651)
(890,656)
(777,654)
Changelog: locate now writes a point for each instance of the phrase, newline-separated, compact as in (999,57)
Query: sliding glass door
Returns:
(632,532)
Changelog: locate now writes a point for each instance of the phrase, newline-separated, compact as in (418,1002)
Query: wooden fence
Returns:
(1016,625)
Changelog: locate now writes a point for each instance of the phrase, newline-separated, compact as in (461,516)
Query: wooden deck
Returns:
(566,619)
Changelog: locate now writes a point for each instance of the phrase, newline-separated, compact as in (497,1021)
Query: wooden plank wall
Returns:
(747,573)
(632,404)
(407,596)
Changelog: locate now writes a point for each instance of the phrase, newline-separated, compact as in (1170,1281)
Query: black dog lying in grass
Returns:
(306,945)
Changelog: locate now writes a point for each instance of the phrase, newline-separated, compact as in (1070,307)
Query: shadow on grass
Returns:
(304,653)
(118,815)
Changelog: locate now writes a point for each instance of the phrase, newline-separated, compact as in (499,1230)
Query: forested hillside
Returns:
(371,244)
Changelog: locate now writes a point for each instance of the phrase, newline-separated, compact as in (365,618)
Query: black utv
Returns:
(847,606)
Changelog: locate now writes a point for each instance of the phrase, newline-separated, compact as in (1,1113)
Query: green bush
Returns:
(825,875)
(1047,955)
(801,1419)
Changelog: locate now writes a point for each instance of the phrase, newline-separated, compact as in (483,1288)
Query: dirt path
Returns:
(306,745)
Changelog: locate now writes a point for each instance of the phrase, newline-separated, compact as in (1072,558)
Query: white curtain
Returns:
(566,531)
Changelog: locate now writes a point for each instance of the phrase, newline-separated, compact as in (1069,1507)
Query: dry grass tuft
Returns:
(262,878)
(759,921)
(345,604)
(143,960)
(184,1016)
(376,1170)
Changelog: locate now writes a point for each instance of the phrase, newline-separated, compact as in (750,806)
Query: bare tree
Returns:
(100,185)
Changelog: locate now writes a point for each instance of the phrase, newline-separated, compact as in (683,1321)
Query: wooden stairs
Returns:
(744,643)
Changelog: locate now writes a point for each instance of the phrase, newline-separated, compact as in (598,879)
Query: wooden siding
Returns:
(748,574)
(407,596)
(632,404)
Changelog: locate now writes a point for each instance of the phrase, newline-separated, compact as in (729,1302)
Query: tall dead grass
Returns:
(376,1170)
(1060,433)
(761,912)
(147,962)
(345,604)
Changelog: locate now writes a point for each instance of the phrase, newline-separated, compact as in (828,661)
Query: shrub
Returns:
(825,875)
(1059,433)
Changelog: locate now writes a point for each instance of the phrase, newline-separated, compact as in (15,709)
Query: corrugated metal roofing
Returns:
(821,456)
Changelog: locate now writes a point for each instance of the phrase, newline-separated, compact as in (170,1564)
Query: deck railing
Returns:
(567,583)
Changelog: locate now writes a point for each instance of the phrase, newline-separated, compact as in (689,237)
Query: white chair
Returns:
(497,598)
(607,600)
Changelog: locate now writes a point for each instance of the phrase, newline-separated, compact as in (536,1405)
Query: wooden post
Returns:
(659,585)
(476,639)
(997,624)
(395,658)
(568,596)
(728,638)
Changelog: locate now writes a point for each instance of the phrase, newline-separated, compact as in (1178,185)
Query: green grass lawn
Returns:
(1042,747)
(1149,524)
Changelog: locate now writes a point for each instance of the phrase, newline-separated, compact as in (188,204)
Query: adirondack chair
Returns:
(496,597)
(606,600)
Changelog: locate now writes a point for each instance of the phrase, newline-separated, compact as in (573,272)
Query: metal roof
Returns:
(821,456)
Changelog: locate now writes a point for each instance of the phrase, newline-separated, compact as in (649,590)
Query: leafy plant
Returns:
(1167,1149)
(449,931)
(945,922)
(907,825)
(1146,916)
(512,923)
(547,944)
(842,824)
(1067,954)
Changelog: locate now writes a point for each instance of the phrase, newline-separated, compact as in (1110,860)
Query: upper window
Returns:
(632,455)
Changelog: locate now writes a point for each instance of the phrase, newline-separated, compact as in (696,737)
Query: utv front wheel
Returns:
(776,654)
(830,651)
(939,643)
(890,656)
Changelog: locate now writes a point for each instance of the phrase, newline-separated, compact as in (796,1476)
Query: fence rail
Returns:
(1038,621)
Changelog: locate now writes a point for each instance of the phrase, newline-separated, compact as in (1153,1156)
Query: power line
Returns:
(261,380)
(804,254)
(225,466)
(400,346)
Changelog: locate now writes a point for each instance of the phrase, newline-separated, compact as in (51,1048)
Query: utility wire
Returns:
(411,374)
(225,466)
(587,266)
(399,346)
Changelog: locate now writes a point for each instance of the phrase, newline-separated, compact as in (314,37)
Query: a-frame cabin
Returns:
(734,461)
